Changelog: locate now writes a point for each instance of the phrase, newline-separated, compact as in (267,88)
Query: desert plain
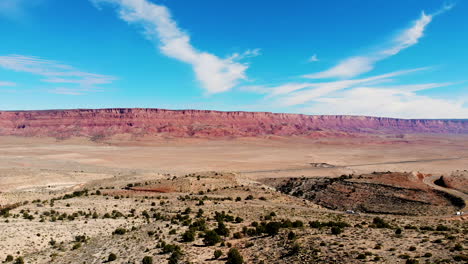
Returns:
(80,200)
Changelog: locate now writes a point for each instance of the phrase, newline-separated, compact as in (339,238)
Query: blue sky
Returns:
(396,58)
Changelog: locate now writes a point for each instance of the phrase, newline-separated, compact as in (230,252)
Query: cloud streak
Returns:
(371,101)
(54,72)
(357,65)
(378,95)
(215,74)
(16,9)
(7,83)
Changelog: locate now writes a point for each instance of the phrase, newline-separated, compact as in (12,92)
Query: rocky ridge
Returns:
(205,123)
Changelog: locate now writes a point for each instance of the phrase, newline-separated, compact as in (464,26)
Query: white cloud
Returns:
(297,93)
(68,91)
(371,101)
(376,95)
(54,72)
(215,74)
(357,65)
(7,83)
(14,9)
(322,89)
(313,58)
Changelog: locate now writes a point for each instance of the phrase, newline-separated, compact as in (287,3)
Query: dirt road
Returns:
(430,181)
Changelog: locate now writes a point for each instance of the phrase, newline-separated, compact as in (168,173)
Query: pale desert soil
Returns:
(45,168)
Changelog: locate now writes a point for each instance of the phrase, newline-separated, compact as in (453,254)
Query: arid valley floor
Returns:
(275,199)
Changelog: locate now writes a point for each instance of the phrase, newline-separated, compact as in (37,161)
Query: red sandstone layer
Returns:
(195,123)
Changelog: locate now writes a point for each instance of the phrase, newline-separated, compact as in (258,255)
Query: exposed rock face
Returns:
(195,123)
(384,193)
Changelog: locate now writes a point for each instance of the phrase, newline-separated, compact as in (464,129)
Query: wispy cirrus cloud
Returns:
(377,95)
(372,101)
(214,73)
(55,73)
(3,83)
(297,93)
(16,9)
(313,58)
(357,65)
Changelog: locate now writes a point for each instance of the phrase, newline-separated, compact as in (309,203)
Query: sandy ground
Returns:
(36,162)
(43,168)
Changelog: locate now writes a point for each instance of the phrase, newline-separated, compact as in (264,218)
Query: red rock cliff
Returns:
(190,123)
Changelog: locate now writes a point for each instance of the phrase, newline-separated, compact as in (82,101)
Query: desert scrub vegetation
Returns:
(234,257)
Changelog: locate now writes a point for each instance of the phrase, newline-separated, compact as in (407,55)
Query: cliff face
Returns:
(195,123)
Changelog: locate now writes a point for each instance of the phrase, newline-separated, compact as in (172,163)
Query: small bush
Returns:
(175,257)
(234,257)
(460,257)
(222,230)
(19,260)
(217,254)
(380,223)
(120,231)
(336,230)
(111,257)
(147,260)
(9,258)
(272,228)
(295,249)
(458,247)
(76,246)
(211,238)
(188,236)
(442,228)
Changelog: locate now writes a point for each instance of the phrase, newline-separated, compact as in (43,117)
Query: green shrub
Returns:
(76,246)
(19,260)
(460,257)
(9,258)
(272,228)
(222,230)
(249,197)
(211,238)
(380,223)
(188,236)
(234,257)
(315,224)
(458,247)
(111,257)
(217,254)
(295,249)
(336,230)
(120,231)
(147,260)
(442,228)
(175,257)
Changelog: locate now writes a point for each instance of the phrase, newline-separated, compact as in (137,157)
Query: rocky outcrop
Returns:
(383,193)
(195,123)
